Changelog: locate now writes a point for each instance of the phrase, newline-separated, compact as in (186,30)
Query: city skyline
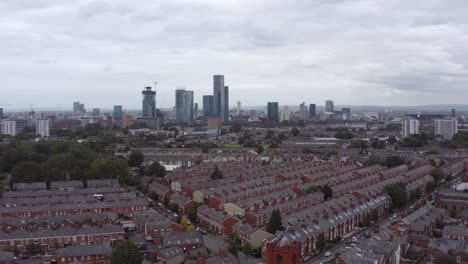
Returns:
(413,54)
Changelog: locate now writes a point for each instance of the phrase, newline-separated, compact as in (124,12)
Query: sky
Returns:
(102,53)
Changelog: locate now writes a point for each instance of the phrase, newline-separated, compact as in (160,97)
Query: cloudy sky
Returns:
(102,53)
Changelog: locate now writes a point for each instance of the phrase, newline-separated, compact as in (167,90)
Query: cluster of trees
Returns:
(459,140)
(61,160)
(343,134)
(126,252)
(417,140)
(325,189)
(397,192)
(389,161)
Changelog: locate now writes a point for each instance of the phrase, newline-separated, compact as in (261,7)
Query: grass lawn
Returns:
(231,145)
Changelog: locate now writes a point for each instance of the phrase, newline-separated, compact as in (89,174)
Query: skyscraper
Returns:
(238,108)
(329,106)
(218,85)
(409,126)
(117,112)
(225,104)
(447,128)
(184,106)
(207,106)
(220,98)
(96,112)
(285,113)
(42,128)
(312,111)
(302,111)
(195,111)
(9,127)
(149,103)
(272,112)
(1,113)
(78,109)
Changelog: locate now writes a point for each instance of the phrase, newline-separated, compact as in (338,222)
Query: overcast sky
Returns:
(384,52)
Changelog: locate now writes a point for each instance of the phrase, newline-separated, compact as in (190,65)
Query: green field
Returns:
(232,146)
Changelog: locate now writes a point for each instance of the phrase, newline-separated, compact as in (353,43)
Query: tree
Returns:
(438,175)
(111,168)
(156,170)
(397,192)
(216,174)
(392,140)
(26,171)
(135,159)
(126,252)
(429,187)
(393,161)
(260,149)
(236,127)
(275,222)
(295,132)
(445,259)
(375,215)
(343,135)
(234,244)
(321,242)
(327,191)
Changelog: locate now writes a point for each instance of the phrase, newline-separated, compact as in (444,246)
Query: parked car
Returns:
(328,253)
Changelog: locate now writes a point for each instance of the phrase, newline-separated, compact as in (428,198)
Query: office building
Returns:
(220,98)
(272,112)
(409,126)
(127,120)
(207,106)
(346,113)
(447,128)
(302,111)
(149,103)
(225,104)
(214,123)
(329,106)
(238,108)
(1,113)
(195,111)
(285,115)
(312,111)
(184,106)
(42,128)
(78,109)
(453,113)
(9,127)
(96,112)
(117,112)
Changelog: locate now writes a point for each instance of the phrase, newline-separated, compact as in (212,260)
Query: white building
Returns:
(409,126)
(42,128)
(447,128)
(238,108)
(285,115)
(9,127)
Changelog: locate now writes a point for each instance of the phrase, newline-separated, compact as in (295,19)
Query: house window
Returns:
(432,256)
(458,259)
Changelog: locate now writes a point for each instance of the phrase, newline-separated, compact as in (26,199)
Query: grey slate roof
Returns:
(85,250)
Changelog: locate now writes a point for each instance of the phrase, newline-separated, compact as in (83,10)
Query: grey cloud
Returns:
(354,51)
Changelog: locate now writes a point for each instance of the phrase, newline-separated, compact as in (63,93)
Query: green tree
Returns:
(295,132)
(216,174)
(135,159)
(397,192)
(26,171)
(375,215)
(392,140)
(260,149)
(275,222)
(438,175)
(327,191)
(126,252)
(234,244)
(156,170)
(111,168)
(393,161)
(321,242)
(236,127)
(445,259)
(429,187)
